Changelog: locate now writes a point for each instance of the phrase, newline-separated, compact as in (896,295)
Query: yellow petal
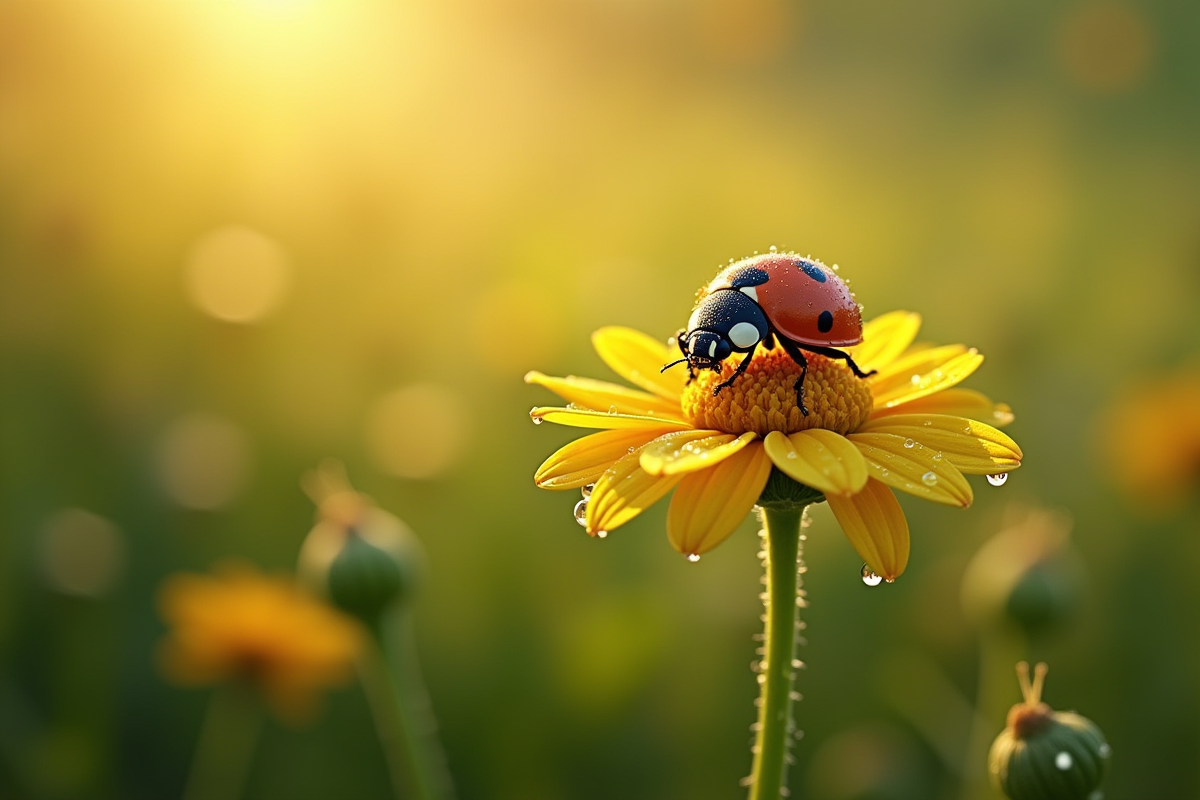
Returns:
(974,447)
(874,523)
(956,402)
(822,459)
(929,371)
(905,464)
(584,460)
(624,491)
(678,452)
(638,358)
(605,396)
(586,418)
(885,338)
(710,504)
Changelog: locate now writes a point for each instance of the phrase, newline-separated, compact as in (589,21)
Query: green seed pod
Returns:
(1044,754)
(364,559)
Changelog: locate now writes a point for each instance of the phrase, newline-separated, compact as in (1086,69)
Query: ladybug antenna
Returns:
(673,363)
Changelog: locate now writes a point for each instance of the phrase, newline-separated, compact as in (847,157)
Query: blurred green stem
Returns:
(772,739)
(999,649)
(407,731)
(229,736)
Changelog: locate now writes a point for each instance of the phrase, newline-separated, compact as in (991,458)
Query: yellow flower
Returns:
(242,625)
(1155,453)
(903,427)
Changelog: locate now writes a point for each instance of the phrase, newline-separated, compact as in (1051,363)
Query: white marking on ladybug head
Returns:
(712,349)
(750,292)
(744,335)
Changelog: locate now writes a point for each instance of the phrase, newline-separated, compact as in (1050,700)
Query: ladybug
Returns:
(777,296)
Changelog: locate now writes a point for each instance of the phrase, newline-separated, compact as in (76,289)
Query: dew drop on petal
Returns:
(1105,751)
(929,479)
(910,444)
(915,379)
(587,490)
(773,249)
(537,420)
(928,423)
(601,534)
(1063,760)
(998,479)
(791,454)
(885,472)
(937,456)
(581,512)
(869,577)
(693,557)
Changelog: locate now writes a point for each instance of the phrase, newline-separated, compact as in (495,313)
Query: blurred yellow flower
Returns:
(1154,454)
(904,428)
(239,624)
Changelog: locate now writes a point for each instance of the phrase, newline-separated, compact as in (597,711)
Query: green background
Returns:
(465,190)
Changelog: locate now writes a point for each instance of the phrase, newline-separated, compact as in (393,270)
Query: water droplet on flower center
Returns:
(998,479)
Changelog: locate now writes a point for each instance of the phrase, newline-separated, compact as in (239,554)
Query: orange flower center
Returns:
(763,398)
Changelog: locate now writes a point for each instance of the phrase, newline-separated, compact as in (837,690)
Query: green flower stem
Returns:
(781,543)
(229,736)
(392,680)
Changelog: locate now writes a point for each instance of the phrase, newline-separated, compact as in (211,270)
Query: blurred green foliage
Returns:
(410,204)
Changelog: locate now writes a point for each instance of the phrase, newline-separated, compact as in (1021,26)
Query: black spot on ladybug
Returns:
(812,271)
(825,321)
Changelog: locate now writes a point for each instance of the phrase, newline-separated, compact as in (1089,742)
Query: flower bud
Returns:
(1044,754)
(363,558)
(1026,576)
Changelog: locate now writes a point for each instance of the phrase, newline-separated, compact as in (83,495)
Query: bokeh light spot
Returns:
(204,461)
(418,431)
(237,274)
(1106,47)
(80,553)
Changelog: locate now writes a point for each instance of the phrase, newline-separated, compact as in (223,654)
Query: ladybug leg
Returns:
(737,372)
(793,350)
(768,341)
(830,352)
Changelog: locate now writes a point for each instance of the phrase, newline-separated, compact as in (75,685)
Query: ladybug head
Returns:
(705,349)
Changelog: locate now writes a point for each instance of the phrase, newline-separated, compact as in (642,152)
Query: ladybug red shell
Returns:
(783,297)
(803,299)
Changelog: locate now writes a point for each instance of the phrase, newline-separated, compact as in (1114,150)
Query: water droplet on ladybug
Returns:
(693,557)
(998,479)
(581,512)
(929,479)
(909,444)
(869,577)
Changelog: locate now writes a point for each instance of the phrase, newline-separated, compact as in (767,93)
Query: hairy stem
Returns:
(773,733)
